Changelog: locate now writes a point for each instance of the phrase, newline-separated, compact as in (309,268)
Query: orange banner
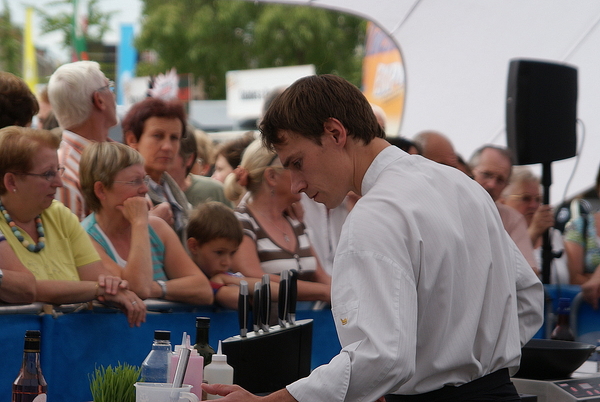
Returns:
(383,77)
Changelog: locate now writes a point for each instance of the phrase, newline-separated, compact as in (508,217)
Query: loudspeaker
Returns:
(541,111)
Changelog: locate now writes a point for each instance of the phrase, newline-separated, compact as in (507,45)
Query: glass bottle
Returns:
(202,346)
(30,385)
(562,331)
(155,367)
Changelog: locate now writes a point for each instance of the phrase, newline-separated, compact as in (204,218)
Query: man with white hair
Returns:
(84,104)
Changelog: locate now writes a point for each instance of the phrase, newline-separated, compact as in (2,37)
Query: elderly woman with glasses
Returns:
(44,235)
(140,248)
(273,242)
(523,193)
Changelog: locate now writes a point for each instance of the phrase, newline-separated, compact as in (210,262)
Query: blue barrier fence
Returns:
(75,342)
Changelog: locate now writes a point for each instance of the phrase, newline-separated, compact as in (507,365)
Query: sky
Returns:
(127,12)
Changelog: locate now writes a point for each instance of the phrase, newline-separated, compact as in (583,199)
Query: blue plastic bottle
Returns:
(155,367)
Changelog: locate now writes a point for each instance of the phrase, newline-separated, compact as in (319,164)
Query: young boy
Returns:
(214,235)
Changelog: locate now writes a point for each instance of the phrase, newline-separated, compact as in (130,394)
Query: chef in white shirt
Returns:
(431,298)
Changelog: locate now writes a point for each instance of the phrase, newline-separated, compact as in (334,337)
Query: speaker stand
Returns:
(547,253)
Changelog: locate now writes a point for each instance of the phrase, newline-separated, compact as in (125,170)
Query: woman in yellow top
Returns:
(45,236)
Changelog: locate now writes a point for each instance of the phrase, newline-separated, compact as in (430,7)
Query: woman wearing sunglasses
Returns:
(142,249)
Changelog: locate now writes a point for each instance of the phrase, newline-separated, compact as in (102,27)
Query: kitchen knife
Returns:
(292,296)
(265,297)
(243,308)
(256,307)
(282,300)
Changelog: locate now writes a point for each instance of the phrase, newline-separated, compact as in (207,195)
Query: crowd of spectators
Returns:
(156,224)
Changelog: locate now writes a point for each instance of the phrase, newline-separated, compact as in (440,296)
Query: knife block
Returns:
(267,362)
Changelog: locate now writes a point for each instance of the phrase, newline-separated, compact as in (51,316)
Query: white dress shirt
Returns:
(428,289)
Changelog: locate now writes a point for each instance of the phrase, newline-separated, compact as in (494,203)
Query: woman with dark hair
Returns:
(154,128)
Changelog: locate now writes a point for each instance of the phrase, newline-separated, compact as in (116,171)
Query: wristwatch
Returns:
(163,288)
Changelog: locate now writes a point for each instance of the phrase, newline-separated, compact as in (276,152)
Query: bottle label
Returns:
(40,398)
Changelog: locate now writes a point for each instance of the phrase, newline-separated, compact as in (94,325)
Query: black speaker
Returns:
(541,111)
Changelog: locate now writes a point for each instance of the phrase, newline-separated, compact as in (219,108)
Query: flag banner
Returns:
(80,23)
(384,76)
(30,71)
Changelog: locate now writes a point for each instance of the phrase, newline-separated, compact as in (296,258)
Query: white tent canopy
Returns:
(456,55)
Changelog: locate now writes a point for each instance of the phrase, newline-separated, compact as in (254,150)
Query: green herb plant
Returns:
(114,384)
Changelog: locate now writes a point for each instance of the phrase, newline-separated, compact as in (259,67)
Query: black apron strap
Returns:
(496,386)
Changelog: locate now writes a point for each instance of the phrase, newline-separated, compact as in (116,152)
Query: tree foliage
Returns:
(62,20)
(10,43)
(207,38)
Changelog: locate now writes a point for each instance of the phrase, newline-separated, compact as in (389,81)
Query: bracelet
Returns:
(163,288)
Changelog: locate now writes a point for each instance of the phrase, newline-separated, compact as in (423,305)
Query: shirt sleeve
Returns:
(530,298)
(574,231)
(380,353)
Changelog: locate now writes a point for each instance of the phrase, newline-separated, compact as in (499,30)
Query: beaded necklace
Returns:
(38,225)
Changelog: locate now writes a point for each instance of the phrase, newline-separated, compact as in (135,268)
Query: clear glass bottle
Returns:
(155,367)
(202,346)
(30,385)
(562,331)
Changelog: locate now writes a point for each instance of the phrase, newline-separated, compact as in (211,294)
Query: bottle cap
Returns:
(162,335)
(219,356)
(202,322)
(32,333)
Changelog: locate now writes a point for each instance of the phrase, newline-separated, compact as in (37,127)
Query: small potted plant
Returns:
(114,384)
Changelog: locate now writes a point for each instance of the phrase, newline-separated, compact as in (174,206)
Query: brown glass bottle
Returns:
(30,385)
(562,331)
(202,346)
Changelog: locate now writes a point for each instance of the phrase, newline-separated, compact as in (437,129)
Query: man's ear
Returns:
(335,130)
(131,140)
(98,101)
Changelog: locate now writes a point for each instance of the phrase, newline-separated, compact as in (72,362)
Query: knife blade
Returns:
(256,307)
(265,296)
(243,308)
(292,296)
(282,300)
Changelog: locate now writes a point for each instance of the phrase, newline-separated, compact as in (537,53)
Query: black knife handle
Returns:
(256,310)
(243,308)
(282,300)
(265,296)
(292,292)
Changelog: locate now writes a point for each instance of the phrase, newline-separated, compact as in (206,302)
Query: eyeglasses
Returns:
(49,175)
(489,176)
(110,86)
(135,183)
(527,198)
